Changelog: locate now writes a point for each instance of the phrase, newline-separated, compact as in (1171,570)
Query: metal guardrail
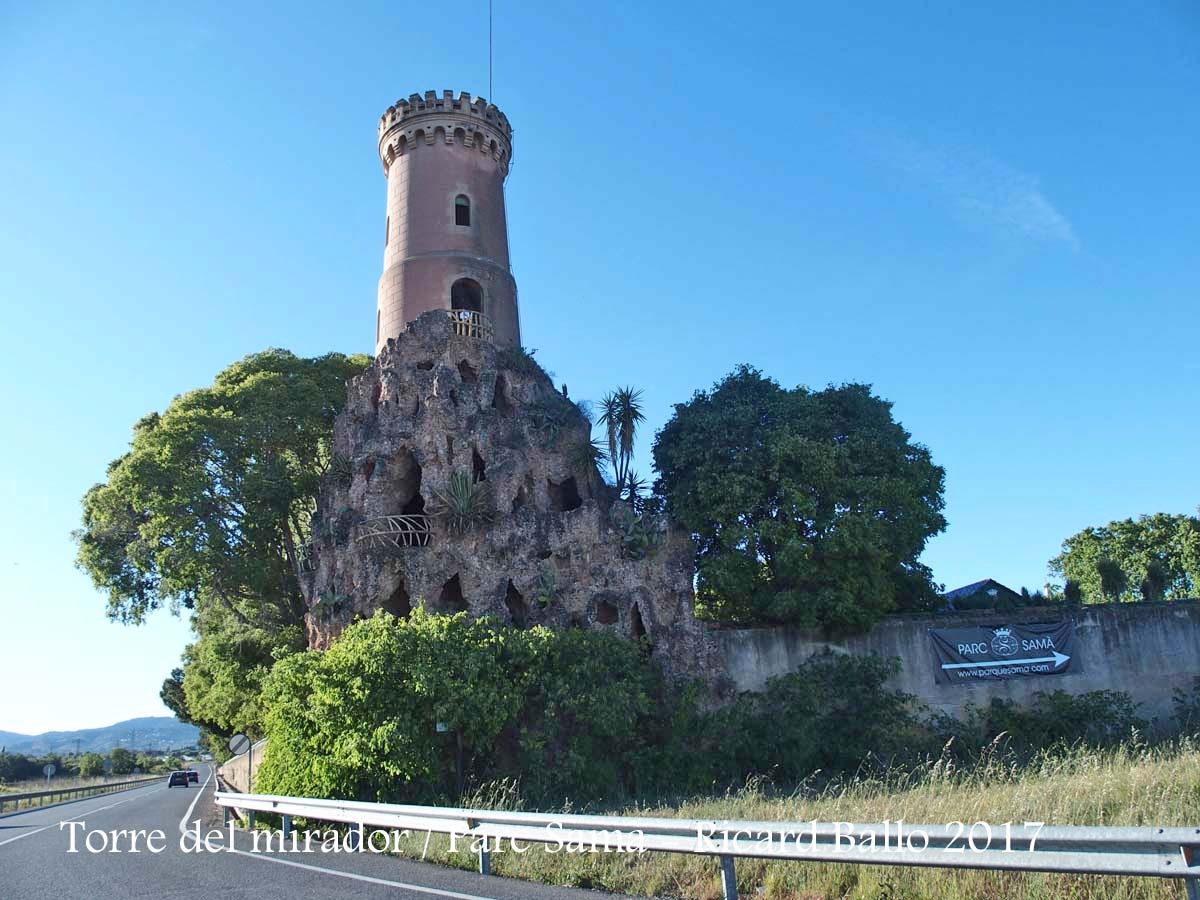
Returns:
(1032,847)
(74,793)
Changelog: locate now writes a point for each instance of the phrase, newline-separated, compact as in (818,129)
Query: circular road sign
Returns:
(239,744)
(49,769)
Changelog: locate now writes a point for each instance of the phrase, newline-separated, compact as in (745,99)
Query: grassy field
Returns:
(1134,785)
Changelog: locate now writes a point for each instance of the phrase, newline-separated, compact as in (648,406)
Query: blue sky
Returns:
(990,215)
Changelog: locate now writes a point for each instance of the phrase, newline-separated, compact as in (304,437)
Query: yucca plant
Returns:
(463,504)
(589,455)
(635,490)
(620,415)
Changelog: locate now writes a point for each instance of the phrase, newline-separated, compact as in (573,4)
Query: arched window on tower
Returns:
(466,294)
(462,210)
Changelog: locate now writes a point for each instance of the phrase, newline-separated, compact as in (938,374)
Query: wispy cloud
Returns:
(983,189)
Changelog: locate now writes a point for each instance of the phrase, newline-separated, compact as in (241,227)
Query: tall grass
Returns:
(1133,784)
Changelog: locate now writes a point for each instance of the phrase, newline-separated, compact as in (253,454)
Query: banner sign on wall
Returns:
(985,653)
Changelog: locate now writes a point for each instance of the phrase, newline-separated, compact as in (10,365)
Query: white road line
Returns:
(200,793)
(62,822)
(415,888)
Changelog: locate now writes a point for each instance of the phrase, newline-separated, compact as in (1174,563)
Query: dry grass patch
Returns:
(1132,785)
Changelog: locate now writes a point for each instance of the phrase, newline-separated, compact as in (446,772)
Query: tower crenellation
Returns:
(446,232)
(482,125)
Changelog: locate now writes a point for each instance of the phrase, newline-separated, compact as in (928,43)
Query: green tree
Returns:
(123,761)
(209,511)
(1169,543)
(211,503)
(1112,577)
(91,765)
(808,506)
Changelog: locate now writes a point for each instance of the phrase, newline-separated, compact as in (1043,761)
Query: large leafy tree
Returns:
(1156,556)
(209,512)
(211,503)
(807,506)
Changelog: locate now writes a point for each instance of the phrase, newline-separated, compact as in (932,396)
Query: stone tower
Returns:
(446,244)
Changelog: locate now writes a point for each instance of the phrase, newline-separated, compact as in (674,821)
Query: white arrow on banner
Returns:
(1058,659)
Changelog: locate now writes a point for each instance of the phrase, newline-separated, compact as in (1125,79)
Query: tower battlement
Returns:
(430,118)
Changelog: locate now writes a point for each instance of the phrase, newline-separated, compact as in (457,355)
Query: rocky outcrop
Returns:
(549,546)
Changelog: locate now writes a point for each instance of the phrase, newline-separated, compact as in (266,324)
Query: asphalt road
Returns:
(36,862)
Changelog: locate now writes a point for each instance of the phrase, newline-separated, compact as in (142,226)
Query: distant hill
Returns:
(150,733)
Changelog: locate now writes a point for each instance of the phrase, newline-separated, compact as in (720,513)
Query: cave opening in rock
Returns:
(449,448)
(500,399)
(408,491)
(518,609)
(399,604)
(451,598)
(520,499)
(454,398)
(637,625)
(606,613)
(564,495)
(368,468)
(376,393)
(402,482)
(478,468)
(467,373)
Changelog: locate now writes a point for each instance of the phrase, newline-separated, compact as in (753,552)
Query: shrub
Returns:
(518,359)
(1187,708)
(830,715)
(584,716)
(360,720)
(563,712)
(1095,719)
(1154,584)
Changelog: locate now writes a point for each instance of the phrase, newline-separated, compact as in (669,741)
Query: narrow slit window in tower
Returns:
(462,210)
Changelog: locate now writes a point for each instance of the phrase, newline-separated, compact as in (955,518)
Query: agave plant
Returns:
(463,504)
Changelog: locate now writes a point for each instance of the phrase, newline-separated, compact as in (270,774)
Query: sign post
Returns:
(239,744)
(48,770)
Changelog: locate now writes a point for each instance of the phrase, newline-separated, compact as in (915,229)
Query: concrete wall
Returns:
(1145,650)
(235,771)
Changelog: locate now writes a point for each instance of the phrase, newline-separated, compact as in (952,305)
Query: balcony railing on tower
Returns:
(467,323)
(395,531)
